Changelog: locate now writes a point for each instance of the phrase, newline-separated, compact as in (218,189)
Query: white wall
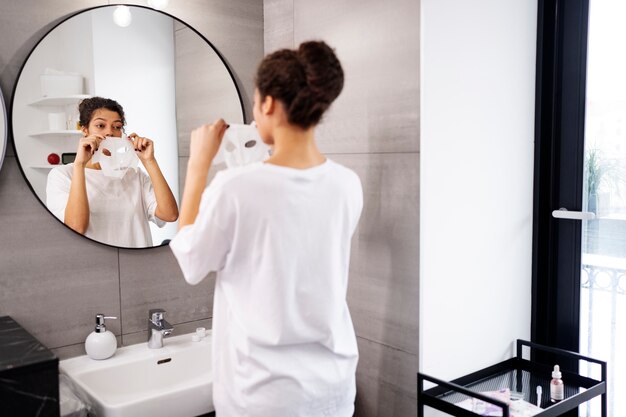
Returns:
(146,46)
(477,134)
(60,50)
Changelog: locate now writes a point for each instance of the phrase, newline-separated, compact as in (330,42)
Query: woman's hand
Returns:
(77,207)
(144,147)
(205,142)
(87,146)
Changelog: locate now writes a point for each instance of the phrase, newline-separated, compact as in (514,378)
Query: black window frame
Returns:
(558,170)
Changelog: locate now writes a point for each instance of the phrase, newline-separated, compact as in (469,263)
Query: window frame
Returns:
(558,172)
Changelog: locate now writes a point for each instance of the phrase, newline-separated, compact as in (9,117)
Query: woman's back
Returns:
(291,241)
(280,240)
(280,297)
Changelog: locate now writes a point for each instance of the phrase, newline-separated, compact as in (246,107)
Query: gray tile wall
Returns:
(53,281)
(373,128)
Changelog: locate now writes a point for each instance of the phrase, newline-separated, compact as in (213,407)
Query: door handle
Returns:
(564,213)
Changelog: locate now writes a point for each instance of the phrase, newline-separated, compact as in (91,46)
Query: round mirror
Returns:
(3,129)
(168,80)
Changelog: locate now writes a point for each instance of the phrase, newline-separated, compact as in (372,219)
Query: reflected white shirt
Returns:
(119,209)
(284,343)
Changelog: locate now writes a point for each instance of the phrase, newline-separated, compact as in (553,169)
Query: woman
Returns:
(278,234)
(110,210)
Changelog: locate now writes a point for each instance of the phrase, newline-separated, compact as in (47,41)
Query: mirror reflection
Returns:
(153,69)
(102,194)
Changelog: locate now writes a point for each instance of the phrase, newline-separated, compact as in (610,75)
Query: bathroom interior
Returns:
(437,117)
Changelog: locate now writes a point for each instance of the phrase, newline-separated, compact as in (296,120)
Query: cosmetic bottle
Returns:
(101,343)
(556,385)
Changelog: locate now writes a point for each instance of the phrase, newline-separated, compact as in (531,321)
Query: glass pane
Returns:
(603,273)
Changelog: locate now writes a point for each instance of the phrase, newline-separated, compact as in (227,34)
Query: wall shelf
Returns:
(43,167)
(59,101)
(517,374)
(57,134)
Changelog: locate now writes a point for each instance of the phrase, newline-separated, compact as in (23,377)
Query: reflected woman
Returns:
(115,211)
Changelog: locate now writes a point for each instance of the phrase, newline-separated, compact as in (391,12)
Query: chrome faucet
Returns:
(157,328)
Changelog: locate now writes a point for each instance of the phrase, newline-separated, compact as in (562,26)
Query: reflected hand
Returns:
(205,142)
(144,147)
(87,146)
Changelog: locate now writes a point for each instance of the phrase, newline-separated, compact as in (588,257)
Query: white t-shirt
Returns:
(284,343)
(119,209)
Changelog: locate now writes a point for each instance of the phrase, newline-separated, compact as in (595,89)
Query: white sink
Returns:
(175,380)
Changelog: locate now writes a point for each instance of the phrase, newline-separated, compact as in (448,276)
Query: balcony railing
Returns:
(603,322)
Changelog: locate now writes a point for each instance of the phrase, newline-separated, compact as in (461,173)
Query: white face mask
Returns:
(242,145)
(121,156)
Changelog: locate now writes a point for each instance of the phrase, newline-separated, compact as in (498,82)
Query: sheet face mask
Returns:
(242,145)
(121,156)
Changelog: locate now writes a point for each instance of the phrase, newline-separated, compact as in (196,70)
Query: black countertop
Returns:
(19,349)
(29,374)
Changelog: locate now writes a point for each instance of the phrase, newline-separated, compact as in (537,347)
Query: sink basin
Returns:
(175,380)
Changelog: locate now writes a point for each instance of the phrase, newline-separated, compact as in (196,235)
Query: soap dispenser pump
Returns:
(101,343)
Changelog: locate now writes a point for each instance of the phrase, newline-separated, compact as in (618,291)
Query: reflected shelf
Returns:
(57,133)
(59,101)
(40,167)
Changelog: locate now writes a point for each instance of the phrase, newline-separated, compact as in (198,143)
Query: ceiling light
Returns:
(122,16)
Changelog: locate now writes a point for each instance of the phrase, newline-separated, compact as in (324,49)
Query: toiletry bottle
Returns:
(556,385)
(101,343)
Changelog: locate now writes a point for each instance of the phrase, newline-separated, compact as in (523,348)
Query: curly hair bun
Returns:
(323,71)
(306,80)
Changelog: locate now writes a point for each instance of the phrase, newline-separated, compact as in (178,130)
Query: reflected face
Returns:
(105,122)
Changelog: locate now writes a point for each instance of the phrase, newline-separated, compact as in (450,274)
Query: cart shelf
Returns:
(519,375)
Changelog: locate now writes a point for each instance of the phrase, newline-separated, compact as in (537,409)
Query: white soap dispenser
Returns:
(101,343)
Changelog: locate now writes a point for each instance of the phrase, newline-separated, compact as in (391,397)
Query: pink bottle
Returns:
(556,385)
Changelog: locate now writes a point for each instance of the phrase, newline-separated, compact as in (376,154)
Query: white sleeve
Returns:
(57,192)
(202,247)
(149,199)
(357,189)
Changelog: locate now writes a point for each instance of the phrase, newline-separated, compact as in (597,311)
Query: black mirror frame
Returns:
(61,21)
(4,139)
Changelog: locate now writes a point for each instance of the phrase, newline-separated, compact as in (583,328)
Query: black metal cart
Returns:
(520,375)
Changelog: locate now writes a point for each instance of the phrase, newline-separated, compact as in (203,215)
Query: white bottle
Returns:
(556,385)
(101,343)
